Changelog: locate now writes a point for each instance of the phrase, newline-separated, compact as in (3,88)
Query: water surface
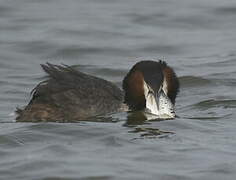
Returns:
(105,38)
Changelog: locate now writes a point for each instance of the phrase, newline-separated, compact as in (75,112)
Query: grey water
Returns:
(105,38)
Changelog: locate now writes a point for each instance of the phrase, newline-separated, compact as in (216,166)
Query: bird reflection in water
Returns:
(137,121)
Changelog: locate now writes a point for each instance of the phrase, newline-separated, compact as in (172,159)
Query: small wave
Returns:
(145,19)
(157,48)
(187,81)
(5,10)
(225,81)
(211,103)
(77,51)
(225,10)
(35,47)
(209,117)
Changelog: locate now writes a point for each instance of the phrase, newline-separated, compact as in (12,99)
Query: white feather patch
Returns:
(151,104)
(164,109)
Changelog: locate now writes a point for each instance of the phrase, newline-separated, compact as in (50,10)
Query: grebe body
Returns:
(70,95)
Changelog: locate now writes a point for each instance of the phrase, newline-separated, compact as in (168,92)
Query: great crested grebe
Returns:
(70,95)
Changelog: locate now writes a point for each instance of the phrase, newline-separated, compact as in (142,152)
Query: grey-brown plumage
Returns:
(69,95)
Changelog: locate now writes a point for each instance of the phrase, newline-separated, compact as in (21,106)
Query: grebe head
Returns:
(151,86)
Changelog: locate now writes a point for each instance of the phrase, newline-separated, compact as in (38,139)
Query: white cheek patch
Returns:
(164,88)
(151,103)
(164,109)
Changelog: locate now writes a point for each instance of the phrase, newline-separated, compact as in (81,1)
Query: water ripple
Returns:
(211,103)
(193,81)
(225,10)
